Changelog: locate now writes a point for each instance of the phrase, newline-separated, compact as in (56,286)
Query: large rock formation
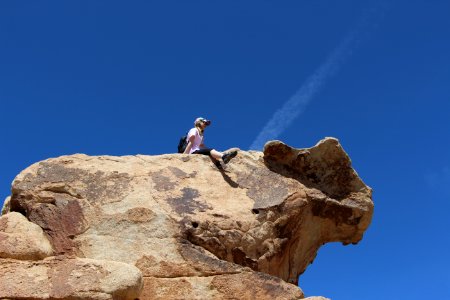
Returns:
(175,227)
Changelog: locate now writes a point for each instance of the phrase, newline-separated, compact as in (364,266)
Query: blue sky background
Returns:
(120,78)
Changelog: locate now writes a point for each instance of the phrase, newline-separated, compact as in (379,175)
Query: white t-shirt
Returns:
(197,141)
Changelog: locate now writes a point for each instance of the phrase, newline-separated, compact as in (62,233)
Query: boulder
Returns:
(192,230)
(21,239)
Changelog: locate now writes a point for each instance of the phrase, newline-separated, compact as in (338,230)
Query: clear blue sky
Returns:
(119,78)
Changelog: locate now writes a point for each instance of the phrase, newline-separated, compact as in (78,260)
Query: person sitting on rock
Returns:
(196,146)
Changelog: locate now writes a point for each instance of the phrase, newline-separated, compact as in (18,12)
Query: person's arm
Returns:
(202,144)
(189,145)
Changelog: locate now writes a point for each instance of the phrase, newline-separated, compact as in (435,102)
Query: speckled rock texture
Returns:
(69,278)
(21,239)
(192,231)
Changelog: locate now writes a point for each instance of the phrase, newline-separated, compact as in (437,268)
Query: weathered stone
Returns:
(5,207)
(257,286)
(196,232)
(242,285)
(21,239)
(65,278)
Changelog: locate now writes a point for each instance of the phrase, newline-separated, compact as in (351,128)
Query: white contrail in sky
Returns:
(284,116)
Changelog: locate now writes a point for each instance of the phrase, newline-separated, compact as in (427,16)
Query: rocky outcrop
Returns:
(193,231)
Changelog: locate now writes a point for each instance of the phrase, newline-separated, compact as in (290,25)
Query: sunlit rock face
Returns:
(21,239)
(175,227)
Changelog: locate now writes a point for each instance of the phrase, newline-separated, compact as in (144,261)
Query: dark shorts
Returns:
(204,151)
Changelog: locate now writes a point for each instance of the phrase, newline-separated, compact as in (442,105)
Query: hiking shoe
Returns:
(228,156)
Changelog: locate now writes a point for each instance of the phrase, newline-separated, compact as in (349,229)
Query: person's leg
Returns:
(216,154)
(204,151)
(228,156)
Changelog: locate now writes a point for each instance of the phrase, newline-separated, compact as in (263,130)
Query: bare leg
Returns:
(216,154)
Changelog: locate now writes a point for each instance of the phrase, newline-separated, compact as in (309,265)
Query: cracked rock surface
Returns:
(190,230)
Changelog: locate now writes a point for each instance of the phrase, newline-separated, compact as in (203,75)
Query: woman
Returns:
(196,146)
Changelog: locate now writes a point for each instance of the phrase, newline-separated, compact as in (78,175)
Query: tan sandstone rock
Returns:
(66,278)
(21,239)
(196,232)
(5,207)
